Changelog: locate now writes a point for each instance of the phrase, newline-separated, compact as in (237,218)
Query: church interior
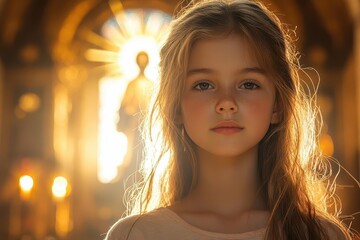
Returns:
(72,70)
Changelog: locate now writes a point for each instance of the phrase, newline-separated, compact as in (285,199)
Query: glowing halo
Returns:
(123,36)
(130,49)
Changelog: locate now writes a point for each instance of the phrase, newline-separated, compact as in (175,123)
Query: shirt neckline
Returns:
(178,219)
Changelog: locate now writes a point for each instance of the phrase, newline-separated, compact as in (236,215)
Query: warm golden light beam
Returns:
(162,34)
(109,69)
(101,41)
(157,26)
(153,24)
(133,25)
(117,7)
(99,55)
(111,32)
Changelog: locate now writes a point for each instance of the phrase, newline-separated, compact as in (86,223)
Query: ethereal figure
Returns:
(133,107)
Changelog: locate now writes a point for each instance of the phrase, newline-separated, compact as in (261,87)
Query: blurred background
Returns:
(75,73)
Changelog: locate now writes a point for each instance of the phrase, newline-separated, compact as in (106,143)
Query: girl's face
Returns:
(228,101)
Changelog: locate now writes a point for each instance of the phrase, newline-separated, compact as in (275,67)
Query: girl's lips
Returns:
(227,130)
(227,127)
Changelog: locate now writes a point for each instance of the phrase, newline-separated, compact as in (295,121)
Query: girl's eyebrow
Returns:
(199,70)
(252,70)
(241,71)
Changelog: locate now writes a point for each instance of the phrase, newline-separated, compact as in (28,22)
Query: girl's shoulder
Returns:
(139,227)
(122,228)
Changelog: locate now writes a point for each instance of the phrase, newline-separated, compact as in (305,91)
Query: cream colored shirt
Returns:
(164,224)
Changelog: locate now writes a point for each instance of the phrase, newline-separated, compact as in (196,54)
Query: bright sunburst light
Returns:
(123,37)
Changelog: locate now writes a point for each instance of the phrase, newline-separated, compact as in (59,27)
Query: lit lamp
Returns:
(26,184)
(16,227)
(59,188)
(62,215)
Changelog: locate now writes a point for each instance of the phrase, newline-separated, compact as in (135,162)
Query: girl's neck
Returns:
(228,187)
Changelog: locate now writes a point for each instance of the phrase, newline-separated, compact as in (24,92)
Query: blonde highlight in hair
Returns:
(291,168)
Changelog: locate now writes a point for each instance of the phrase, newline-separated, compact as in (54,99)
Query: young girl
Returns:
(237,154)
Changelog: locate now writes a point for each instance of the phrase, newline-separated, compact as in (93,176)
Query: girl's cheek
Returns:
(195,104)
(192,107)
(258,106)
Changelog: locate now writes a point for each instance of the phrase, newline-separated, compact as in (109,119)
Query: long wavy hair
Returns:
(293,172)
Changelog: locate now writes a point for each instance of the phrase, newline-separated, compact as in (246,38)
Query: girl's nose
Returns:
(226,105)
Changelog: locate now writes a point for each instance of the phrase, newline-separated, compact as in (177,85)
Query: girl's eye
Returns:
(203,86)
(249,85)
